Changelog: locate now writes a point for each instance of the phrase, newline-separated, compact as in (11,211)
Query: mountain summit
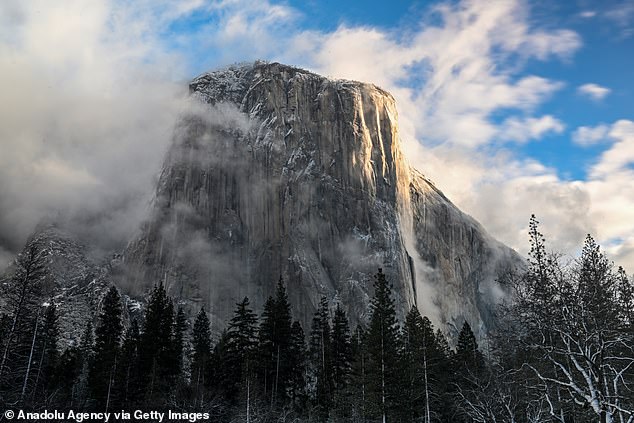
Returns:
(285,173)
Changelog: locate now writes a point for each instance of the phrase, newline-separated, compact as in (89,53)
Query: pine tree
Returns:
(423,362)
(625,298)
(359,375)
(469,371)
(274,337)
(128,376)
(597,286)
(297,366)
(22,295)
(383,351)
(341,363)
(241,354)
(414,366)
(266,346)
(67,377)
(106,350)
(31,357)
(320,350)
(48,355)
(180,330)
(200,364)
(468,358)
(158,362)
(85,357)
(543,271)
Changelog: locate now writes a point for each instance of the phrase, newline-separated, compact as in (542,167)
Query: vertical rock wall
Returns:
(286,173)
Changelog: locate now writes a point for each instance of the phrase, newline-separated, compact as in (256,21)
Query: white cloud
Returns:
(587,14)
(594,91)
(88,103)
(524,129)
(589,135)
(623,15)
(620,155)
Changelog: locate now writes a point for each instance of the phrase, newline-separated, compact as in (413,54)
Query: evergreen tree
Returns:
(468,358)
(266,346)
(320,350)
(413,366)
(597,286)
(359,375)
(241,349)
(180,331)
(443,345)
(87,342)
(85,355)
(297,386)
(128,377)
(106,351)
(158,362)
(625,298)
(22,295)
(47,355)
(274,344)
(421,360)
(201,357)
(383,352)
(67,377)
(341,363)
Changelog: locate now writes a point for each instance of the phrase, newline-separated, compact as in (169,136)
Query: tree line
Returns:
(260,368)
(563,351)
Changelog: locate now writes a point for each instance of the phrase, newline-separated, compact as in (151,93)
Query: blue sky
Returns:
(512,107)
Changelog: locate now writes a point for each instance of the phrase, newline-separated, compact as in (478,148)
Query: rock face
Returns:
(287,173)
(70,280)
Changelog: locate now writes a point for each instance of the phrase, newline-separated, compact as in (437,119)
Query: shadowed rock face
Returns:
(70,280)
(286,173)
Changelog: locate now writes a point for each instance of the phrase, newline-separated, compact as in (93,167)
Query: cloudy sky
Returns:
(512,107)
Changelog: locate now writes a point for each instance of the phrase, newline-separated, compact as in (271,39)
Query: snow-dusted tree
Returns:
(580,345)
(21,294)
(47,356)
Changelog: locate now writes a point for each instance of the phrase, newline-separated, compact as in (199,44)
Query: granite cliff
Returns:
(283,172)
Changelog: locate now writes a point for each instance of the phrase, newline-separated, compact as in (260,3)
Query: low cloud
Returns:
(87,111)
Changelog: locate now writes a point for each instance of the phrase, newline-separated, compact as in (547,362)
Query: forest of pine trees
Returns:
(563,351)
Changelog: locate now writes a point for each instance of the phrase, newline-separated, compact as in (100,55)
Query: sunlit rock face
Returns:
(286,173)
